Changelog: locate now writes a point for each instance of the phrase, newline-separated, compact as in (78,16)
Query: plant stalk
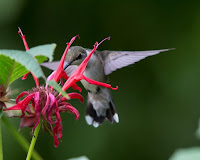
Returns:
(19,138)
(33,141)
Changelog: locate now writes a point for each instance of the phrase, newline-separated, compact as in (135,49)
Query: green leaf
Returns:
(186,154)
(44,51)
(15,63)
(58,88)
(79,158)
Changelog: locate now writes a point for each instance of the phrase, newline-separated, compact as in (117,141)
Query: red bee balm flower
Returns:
(44,103)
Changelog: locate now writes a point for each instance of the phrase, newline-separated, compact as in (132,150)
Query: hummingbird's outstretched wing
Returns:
(118,59)
(53,66)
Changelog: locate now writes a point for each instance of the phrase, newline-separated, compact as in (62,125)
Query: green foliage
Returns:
(44,51)
(57,87)
(187,154)
(15,63)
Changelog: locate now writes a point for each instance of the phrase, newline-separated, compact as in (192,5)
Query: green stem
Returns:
(32,145)
(20,139)
(1,147)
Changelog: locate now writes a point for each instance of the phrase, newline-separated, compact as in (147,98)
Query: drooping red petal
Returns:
(73,110)
(22,104)
(28,121)
(58,123)
(68,107)
(57,130)
(25,76)
(90,81)
(21,95)
(55,135)
(74,86)
(73,96)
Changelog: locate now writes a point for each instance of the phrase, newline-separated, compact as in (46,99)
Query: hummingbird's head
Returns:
(75,55)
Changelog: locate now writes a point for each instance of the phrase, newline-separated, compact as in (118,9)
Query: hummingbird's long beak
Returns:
(67,64)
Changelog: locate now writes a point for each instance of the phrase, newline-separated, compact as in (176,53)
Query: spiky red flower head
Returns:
(44,102)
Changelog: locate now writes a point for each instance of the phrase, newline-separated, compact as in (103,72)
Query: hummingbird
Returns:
(100,105)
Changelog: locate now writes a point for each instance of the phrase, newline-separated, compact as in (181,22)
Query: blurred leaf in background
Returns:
(79,158)
(187,154)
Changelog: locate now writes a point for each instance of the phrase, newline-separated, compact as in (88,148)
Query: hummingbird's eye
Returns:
(79,56)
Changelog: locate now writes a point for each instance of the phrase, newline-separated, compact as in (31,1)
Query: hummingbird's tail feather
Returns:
(95,116)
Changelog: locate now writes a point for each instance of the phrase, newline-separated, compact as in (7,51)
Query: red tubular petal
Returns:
(71,81)
(76,96)
(59,70)
(34,77)
(108,38)
(99,83)
(76,87)
(25,76)
(56,142)
(27,48)
(36,80)
(73,110)
(23,38)
(22,104)
(57,130)
(64,75)
(21,95)
(50,77)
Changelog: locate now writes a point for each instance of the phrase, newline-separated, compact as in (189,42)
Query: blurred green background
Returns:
(158,98)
